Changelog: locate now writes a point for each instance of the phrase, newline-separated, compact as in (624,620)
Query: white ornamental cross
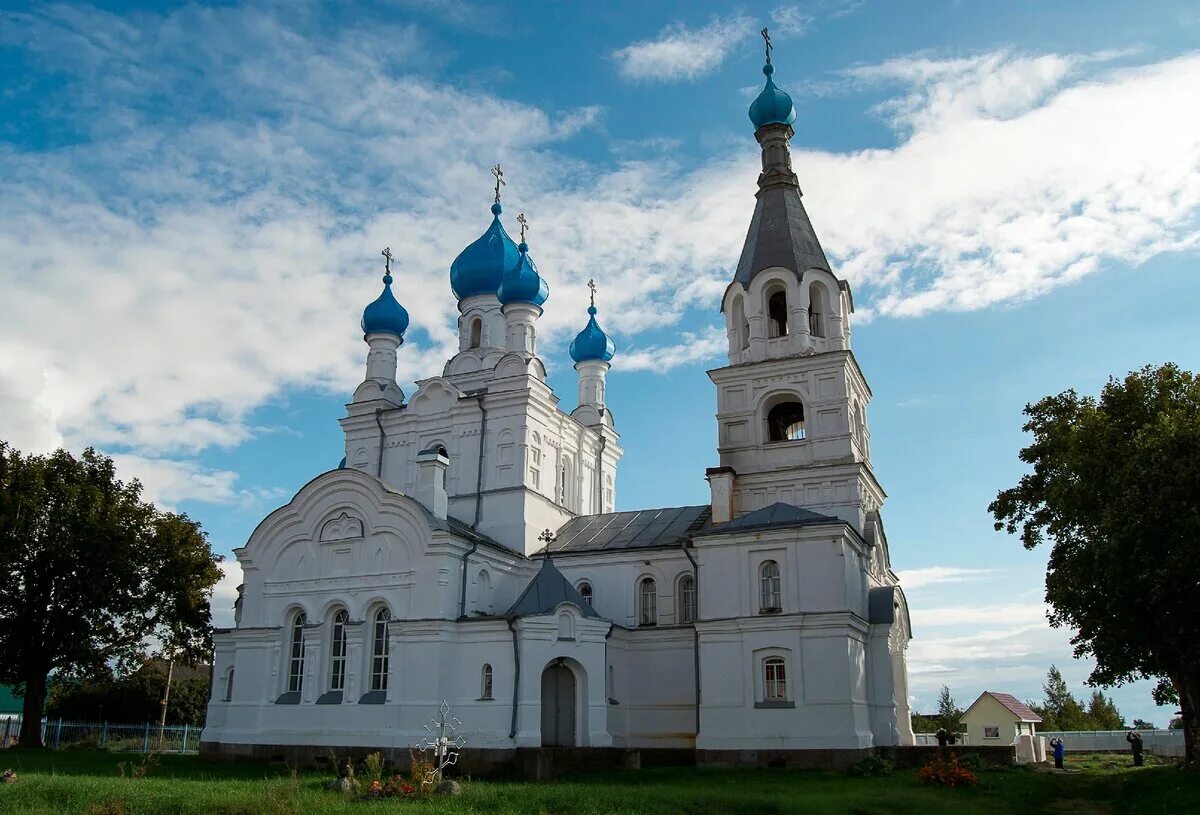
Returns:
(443,740)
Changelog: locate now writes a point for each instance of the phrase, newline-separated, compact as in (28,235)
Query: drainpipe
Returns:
(462,598)
(512,732)
(382,437)
(695,631)
(482,457)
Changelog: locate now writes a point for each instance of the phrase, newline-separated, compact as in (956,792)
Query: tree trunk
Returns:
(1188,688)
(31,713)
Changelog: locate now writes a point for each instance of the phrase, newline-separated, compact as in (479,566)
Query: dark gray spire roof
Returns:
(547,589)
(780,235)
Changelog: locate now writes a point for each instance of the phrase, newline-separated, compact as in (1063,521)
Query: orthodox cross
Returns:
(387,260)
(443,741)
(547,537)
(524,225)
(766,35)
(592,286)
(500,182)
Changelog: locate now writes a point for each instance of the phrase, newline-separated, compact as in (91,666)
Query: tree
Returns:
(1113,488)
(948,713)
(1061,710)
(1142,724)
(91,575)
(132,697)
(1102,713)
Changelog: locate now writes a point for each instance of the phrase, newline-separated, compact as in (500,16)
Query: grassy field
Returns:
(89,783)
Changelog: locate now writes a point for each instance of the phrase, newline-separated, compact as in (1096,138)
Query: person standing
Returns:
(1060,751)
(1135,745)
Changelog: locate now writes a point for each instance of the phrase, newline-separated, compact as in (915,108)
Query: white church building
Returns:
(469,548)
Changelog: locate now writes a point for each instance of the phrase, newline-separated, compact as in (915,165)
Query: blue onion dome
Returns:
(522,283)
(773,106)
(480,267)
(385,315)
(592,343)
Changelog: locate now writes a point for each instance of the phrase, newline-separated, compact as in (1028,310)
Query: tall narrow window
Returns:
(687,599)
(768,580)
(585,591)
(648,602)
(483,592)
(485,682)
(296,660)
(818,307)
(476,333)
(785,422)
(379,650)
(229,685)
(337,651)
(774,680)
(777,314)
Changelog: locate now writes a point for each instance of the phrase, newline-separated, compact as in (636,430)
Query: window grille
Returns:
(774,680)
(337,651)
(769,586)
(585,591)
(296,660)
(648,614)
(485,682)
(687,599)
(379,651)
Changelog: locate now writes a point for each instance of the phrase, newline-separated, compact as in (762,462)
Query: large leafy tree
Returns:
(91,575)
(1114,489)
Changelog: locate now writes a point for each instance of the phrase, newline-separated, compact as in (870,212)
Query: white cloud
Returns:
(169,271)
(791,21)
(225,593)
(931,575)
(682,53)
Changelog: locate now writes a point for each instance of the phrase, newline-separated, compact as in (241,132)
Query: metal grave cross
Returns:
(443,740)
(500,182)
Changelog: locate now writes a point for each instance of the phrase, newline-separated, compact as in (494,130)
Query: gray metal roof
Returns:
(775,516)
(544,593)
(644,528)
(780,235)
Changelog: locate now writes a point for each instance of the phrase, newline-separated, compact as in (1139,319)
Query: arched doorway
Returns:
(558,706)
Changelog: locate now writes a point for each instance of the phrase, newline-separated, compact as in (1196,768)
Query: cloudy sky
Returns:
(193,199)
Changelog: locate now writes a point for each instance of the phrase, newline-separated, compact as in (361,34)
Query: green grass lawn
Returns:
(89,783)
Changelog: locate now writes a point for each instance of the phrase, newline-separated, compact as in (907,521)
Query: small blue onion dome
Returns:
(480,267)
(385,315)
(522,283)
(772,106)
(592,343)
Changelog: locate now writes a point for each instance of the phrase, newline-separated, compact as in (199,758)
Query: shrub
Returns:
(373,769)
(945,770)
(871,767)
(971,761)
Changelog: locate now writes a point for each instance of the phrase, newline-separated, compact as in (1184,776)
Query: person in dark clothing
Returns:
(1060,750)
(943,738)
(1135,745)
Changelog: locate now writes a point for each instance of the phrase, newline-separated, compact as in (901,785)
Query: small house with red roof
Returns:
(999,718)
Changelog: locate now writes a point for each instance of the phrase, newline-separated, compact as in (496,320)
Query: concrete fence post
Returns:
(146,739)
(183,749)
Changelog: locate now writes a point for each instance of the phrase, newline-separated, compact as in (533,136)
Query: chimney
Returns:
(431,481)
(720,481)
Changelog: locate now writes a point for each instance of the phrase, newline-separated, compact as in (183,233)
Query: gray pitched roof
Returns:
(547,589)
(777,515)
(780,235)
(640,529)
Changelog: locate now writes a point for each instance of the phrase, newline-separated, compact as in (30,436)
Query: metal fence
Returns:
(147,737)
(1155,742)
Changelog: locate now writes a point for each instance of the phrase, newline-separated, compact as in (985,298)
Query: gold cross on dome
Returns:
(500,182)
(521,219)
(387,260)
(592,286)
(766,35)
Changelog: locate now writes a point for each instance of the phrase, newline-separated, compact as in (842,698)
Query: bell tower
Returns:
(791,403)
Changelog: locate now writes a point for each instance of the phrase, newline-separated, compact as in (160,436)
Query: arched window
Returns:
(229,685)
(337,651)
(774,680)
(585,591)
(818,308)
(687,599)
(785,422)
(740,325)
(476,333)
(485,682)
(769,587)
(483,592)
(296,656)
(777,314)
(379,650)
(647,602)
(566,626)
(564,482)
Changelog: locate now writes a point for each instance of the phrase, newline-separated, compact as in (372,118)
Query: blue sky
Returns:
(193,198)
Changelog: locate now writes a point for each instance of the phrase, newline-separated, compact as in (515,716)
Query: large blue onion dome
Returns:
(772,106)
(385,315)
(480,267)
(522,283)
(592,343)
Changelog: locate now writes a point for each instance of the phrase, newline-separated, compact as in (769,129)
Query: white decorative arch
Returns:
(342,527)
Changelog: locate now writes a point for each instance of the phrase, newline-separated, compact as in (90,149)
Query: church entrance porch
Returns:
(558,705)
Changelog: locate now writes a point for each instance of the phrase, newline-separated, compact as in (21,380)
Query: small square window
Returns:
(991,732)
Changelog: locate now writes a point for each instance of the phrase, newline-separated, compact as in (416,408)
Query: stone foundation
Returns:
(548,763)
